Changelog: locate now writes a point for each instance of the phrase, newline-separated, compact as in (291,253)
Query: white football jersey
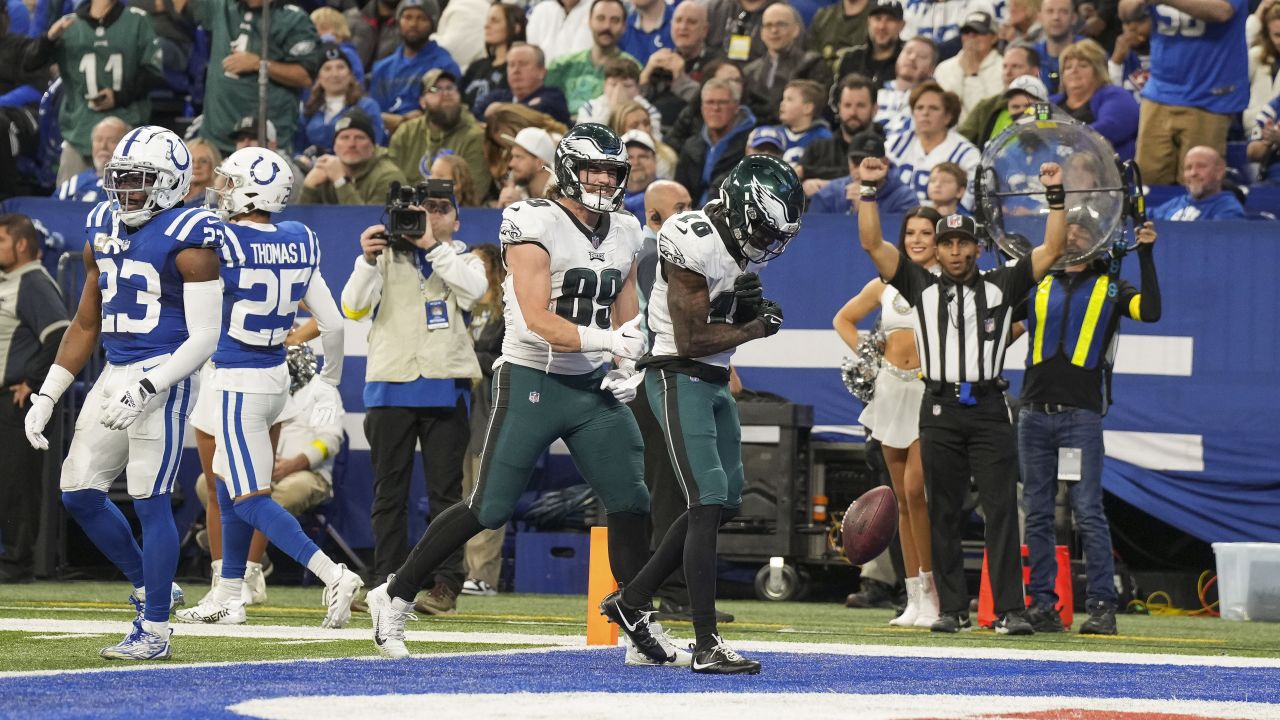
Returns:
(586,277)
(913,165)
(690,241)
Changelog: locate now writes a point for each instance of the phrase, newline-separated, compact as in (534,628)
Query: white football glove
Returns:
(327,407)
(626,342)
(623,383)
(129,404)
(37,417)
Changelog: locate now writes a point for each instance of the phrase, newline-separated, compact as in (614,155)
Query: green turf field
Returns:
(80,608)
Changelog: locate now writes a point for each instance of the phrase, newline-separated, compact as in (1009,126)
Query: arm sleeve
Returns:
(20,96)
(329,320)
(1116,117)
(202,304)
(302,45)
(911,279)
(363,291)
(462,272)
(1143,305)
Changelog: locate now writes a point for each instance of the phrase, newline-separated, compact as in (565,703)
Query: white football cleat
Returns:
(338,596)
(388,622)
(140,645)
(213,613)
(254,590)
(680,656)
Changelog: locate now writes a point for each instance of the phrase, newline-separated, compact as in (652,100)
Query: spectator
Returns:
(335,93)
(231,83)
(975,72)
(506,120)
(418,377)
(20,93)
(204,158)
(990,116)
(767,140)
(1198,81)
(799,114)
(560,27)
(451,167)
(1089,96)
(672,75)
(529,170)
(825,160)
(707,157)
(87,186)
(689,122)
(1264,61)
(621,85)
(648,29)
(245,135)
(643,154)
(878,57)
(526,77)
(358,172)
(733,27)
(1202,172)
(1023,92)
(33,318)
(581,75)
(1022,26)
(374,31)
(838,26)
(840,196)
(446,126)
(332,28)
(394,82)
(1130,63)
(1264,143)
(915,65)
(947,185)
(931,140)
(1058,20)
(786,60)
(457,30)
(482,555)
(632,116)
(503,26)
(125,68)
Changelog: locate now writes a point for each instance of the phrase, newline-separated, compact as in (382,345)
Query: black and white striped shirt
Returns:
(964,328)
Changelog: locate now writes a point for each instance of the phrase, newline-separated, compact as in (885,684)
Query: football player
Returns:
(707,300)
(266,270)
(571,306)
(151,292)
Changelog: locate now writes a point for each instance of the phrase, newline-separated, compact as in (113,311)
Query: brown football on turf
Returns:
(869,525)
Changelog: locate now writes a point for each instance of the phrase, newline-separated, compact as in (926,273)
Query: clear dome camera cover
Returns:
(1012,197)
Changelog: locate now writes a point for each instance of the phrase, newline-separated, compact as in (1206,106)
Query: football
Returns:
(869,525)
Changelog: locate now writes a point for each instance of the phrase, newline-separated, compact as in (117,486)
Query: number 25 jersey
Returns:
(585,278)
(138,276)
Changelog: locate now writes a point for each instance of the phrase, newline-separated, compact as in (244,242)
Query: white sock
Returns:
(141,594)
(327,570)
(159,629)
(228,590)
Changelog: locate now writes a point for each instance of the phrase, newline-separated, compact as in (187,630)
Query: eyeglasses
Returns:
(438,89)
(439,207)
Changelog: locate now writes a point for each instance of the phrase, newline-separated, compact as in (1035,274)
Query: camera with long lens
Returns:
(405,219)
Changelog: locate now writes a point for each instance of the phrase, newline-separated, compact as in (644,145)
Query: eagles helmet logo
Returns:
(775,211)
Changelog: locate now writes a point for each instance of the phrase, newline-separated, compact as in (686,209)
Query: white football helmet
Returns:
(149,171)
(252,178)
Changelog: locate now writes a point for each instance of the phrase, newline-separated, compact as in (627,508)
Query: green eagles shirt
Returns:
(578,77)
(232,27)
(93,57)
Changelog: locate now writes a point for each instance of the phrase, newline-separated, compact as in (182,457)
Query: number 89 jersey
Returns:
(138,276)
(585,278)
(690,241)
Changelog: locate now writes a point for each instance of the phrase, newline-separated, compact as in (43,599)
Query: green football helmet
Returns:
(592,146)
(763,201)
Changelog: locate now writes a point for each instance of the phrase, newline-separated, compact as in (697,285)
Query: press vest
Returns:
(1071,319)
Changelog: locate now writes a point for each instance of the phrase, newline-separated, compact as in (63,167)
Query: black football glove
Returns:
(749,293)
(771,315)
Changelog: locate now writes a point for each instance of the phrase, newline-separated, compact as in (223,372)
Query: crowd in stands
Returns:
(360,95)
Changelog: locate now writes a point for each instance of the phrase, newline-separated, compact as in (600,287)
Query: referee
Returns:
(965,429)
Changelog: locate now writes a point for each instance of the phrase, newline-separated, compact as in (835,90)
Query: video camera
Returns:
(403,220)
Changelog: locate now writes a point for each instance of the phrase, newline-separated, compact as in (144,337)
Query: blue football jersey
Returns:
(1199,64)
(265,273)
(142,311)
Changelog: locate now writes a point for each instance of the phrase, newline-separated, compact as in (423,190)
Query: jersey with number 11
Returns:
(138,276)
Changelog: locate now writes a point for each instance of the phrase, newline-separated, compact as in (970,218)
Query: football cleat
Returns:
(720,659)
(213,613)
(636,624)
(679,656)
(478,588)
(140,645)
(254,589)
(338,596)
(388,622)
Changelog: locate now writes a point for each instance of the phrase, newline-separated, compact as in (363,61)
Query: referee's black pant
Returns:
(957,442)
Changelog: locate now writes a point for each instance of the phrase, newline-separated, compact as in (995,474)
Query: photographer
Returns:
(416,282)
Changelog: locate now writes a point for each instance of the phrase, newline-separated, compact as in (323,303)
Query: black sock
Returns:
(700,570)
(448,532)
(666,560)
(628,544)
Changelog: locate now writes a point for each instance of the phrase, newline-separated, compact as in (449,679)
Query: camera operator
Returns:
(416,282)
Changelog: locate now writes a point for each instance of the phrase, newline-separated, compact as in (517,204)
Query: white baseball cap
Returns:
(1029,85)
(537,142)
(639,137)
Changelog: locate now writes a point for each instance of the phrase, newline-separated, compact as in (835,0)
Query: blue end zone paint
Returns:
(207,691)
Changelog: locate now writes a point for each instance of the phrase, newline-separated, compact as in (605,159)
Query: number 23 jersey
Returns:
(585,278)
(690,241)
(138,276)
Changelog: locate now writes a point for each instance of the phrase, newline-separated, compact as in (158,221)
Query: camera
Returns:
(403,219)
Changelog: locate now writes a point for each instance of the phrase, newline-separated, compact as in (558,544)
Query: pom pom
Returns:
(859,372)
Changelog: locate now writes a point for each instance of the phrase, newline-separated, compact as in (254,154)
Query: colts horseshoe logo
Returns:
(253,172)
(173,154)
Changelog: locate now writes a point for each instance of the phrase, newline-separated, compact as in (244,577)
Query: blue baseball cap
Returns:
(766,135)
